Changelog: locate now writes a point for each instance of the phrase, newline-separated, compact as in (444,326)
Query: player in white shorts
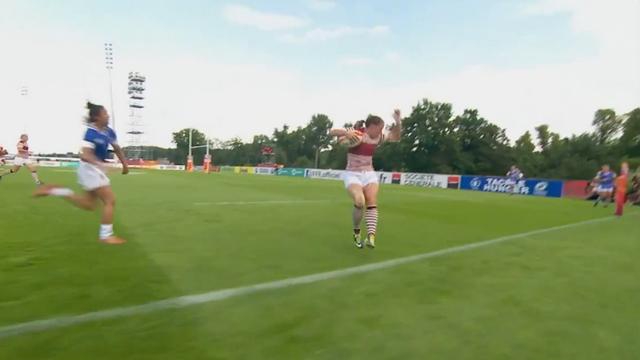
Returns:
(22,159)
(92,173)
(360,179)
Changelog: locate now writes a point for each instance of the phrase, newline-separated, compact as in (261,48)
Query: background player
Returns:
(22,159)
(92,173)
(3,153)
(605,179)
(621,188)
(514,175)
(360,179)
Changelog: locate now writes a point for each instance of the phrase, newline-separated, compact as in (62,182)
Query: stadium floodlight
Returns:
(108,62)
(136,132)
(24,93)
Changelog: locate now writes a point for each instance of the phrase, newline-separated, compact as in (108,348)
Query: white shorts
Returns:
(20,161)
(90,177)
(362,178)
(602,189)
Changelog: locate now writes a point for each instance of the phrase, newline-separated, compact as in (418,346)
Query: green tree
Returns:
(630,140)
(428,138)
(607,125)
(524,154)
(543,136)
(484,147)
(317,135)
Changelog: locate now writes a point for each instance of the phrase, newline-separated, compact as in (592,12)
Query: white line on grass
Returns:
(218,295)
(262,202)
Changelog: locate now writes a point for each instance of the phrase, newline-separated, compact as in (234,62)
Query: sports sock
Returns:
(106,231)
(372,219)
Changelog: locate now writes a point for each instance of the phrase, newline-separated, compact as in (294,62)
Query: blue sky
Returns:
(293,58)
(433,37)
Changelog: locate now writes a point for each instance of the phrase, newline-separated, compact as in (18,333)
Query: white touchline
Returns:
(262,202)
(217,295)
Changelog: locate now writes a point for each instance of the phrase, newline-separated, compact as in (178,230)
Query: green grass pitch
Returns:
(573,293)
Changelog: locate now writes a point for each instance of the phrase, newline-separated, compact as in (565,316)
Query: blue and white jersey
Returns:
(606,178)
(99,141)
(515,175)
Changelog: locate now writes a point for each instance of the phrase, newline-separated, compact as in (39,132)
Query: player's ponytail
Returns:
(359,125)
(94,111)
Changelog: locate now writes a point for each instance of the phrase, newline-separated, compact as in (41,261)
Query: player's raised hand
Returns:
(397,116)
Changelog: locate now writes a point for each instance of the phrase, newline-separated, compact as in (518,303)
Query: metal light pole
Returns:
(24,93)
(190,140)
(108,60)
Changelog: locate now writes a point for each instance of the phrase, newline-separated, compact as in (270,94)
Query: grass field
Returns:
(569,293)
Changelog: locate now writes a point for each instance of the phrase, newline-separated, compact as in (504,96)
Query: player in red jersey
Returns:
(3,153)
(621,188)
(360,179)
(22,159)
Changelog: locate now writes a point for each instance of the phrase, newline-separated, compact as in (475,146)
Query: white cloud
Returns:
(321,5)
(357,61)
(244,15)
(392,57)
(614,23)
(324,34)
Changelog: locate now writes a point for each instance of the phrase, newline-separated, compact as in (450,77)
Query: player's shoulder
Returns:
(89,129)
(91,133)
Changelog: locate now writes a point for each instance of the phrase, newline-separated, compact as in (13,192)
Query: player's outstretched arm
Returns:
(349,133)
(396,129)
(120,154)
(338,132)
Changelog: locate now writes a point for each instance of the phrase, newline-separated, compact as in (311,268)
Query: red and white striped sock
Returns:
(372,219)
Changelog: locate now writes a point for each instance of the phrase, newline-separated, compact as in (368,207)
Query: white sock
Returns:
(106,231)
(63,192)
(34,175)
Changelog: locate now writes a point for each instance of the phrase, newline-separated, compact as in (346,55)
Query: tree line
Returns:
(435,140)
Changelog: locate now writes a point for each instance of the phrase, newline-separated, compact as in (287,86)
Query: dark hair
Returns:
(359,125)
(94,111)
(373,120)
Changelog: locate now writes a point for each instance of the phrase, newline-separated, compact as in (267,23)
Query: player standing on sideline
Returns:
(92,173)
(605,179)
(360,179)
(621,188)
(22,159)
(514,175)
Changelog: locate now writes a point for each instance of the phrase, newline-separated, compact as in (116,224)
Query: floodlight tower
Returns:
(136,89)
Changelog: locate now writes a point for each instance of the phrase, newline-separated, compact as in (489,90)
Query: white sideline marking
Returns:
(262,202)
(218,295)
(72,170)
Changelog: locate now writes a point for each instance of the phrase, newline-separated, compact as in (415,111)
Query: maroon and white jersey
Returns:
(360,157)
(23,149)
